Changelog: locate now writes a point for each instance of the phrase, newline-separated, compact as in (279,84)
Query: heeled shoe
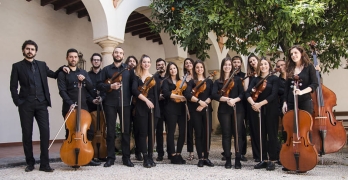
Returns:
(208,163)
(262,164)
(191,157)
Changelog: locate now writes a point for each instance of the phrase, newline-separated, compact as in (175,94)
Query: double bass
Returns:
(99,140)
(77,150)
(328,134)
(298,153)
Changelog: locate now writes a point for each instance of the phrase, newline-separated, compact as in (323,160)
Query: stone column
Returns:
(108,44)
(215,105)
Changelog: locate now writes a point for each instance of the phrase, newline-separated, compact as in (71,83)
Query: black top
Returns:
(171,107)
(240,74)
(235,92)
(19,74)
(281,92)
(271,91)
(140,106)
(192,106)
(113,98)
(159,80)
(92,94)
(69,91)
(36,88)
(309,79)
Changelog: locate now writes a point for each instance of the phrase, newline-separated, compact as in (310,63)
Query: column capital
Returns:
(176,59)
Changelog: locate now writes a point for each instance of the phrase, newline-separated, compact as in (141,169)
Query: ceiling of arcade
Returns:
(136,23)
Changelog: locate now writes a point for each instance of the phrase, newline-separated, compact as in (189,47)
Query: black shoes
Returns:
(127,162)
(150,160)
(177,159)
(109,162)
(138,157)
(257,160)
(243,158)
(159,158)
(200,163)
(228,164)
(29,168)
(146,162)
(270,166)
(237,164)
(262,164)
(46,168)
(208,163)
(93,163)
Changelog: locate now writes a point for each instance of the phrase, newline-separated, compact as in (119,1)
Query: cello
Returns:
(77,150)
(328,134)
(99,140)
(298,153)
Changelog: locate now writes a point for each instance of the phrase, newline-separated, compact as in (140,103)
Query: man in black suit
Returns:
(32,101)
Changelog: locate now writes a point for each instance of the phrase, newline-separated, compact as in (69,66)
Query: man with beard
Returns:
(32,101)
(117,102)
(69,91)
(160,66)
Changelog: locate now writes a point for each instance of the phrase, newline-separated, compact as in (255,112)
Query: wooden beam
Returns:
(157,39)
(142,31)
(138,27)
(82,13)
(46,2)
(145,34)
(153,36)
(63,4)
(135,17)
(76,7)
(160,42)
(136,22)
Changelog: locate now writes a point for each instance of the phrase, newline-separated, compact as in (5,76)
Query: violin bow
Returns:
(260,120)
(67,117)
(236,128)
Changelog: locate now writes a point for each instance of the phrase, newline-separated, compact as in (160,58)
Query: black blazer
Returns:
(19,74)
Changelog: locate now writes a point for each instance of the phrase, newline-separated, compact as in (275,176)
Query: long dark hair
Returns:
(188,59)
(250,69)
(222,73)
(128,59)
(168,76)
(290,64)
(195,76)
(269,65)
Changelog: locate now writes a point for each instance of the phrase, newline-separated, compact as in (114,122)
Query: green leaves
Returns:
(265,24)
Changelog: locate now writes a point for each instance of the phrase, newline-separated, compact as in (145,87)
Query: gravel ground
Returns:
(330,166)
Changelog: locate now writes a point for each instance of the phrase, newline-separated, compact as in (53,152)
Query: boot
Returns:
(237,164)
(151,162)
(228,164)
(146,161)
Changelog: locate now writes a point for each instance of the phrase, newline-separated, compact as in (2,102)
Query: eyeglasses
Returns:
(96,60)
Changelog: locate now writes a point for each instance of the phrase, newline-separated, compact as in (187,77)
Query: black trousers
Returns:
(227,123)
(269,131)
(199,121)
(189,136)
(27,112)
(144,125)
(159,135)
(172,120)
(135,132)
(111,113)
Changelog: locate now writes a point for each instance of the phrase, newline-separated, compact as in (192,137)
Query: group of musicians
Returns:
(144,101)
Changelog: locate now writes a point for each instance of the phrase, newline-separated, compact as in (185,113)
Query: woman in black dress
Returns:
(266,107)
(143,108)
(226,111)
(200,112)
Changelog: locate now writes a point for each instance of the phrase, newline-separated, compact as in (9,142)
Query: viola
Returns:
(148,84)
(180,85)
(298,153)
(117,76)
(201,85)
(99,140)
(77,150)
(261,85)
(328,134)
(228,84)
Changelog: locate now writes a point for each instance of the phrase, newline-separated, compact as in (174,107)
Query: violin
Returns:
(298,153)
(261,85)
(99,140)
(328,134)
(117,76)
(228,85)
(181,85)
(201,85)
(77,150)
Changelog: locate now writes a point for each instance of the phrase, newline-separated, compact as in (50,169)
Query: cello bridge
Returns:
(320,117)
(296,142)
